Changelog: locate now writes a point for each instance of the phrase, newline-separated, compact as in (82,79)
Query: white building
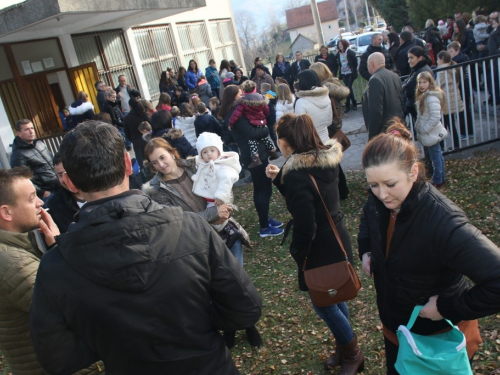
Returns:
(51,49)
(300,21)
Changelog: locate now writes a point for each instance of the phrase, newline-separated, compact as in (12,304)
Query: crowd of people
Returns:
(102,271)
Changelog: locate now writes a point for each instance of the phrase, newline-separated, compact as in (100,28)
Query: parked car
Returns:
(360,43)
(367,28)
(332,44)
(382,25)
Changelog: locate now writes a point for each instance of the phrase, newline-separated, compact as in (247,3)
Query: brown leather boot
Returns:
(353,360)
(336,359)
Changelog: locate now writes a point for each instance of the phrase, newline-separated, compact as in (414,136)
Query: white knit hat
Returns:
(207,139)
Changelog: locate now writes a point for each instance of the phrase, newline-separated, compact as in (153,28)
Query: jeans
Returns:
(128,144)
(348,81)
(436,156)
(262,191)
(216,92)
(237,252)
(336,318)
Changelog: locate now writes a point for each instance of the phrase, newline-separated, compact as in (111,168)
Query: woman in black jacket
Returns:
(313,238)
(347,63)
(282,69)
(419,62)
(328,59)
(419,247)
(131,124)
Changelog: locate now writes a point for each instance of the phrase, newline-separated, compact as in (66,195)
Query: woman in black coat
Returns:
(347,63)
(421,248)
(314,243)
(131,124)
(282,69)
(419,62)
(327,58)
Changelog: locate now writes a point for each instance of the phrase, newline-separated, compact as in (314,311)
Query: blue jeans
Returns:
(128,144)
(336,318)
(436,156)
(237,252)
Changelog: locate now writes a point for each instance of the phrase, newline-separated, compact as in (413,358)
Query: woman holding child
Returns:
(173,185)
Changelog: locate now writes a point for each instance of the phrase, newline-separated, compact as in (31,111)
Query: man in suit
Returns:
(383,98)
(299,65)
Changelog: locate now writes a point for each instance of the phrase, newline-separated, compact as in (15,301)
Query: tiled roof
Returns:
(302,16)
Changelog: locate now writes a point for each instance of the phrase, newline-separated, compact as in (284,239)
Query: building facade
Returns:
(52,49)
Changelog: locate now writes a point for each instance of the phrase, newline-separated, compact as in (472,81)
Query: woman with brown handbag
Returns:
(314,243)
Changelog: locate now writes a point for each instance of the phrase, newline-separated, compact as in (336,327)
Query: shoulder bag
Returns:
(333,283)
(443,353)
(338,134)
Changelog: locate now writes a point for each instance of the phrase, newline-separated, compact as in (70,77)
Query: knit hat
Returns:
(441,23)
(207,139)
(230,75)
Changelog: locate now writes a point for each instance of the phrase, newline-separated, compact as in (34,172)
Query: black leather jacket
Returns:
(433,246)
(38,158)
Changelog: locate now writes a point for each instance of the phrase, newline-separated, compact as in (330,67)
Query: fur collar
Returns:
(329,158)
(335,89)
(79,108)
(315,92)
(254,103)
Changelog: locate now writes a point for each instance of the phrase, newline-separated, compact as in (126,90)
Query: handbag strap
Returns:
(414,316)
(332,224)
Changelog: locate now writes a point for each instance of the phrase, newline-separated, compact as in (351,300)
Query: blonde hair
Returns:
(427,76)
(147,105)
(322,71)
(82,96)
(284,93)
(248,86)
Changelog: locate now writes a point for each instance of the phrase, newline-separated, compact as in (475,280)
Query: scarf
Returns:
(281,65)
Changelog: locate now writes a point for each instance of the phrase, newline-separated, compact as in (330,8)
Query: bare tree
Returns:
(290,4)
(245,24)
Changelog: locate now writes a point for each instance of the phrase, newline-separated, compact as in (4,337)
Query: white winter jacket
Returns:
(316,103)
(215,179)
(186,124)
(282,107)
(429,128)
(450,87)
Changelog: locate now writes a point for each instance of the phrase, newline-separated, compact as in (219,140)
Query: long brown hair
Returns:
(155,143)
(393,146)
(429,77)
(299,132)
(227,100)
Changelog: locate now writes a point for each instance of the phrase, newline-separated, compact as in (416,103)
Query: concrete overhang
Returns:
(37,19)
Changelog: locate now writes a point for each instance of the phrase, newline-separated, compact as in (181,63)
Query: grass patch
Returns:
(296,341)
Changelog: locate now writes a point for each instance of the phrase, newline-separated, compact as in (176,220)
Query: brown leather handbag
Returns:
(333,283)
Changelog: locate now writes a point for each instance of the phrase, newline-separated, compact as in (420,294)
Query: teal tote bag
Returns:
(444,353)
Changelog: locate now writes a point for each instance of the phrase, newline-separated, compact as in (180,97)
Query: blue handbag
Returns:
(443,353)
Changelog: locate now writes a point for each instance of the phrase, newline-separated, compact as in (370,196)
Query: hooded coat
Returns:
(313,237)
(429,128)
(37,157)
(254,107)
(450,88)
(130,283)
(316,103)
(177,140)
(80,112)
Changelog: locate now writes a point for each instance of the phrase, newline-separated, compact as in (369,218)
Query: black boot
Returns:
(355,106)
(228,337)
(347,109)
(254,337)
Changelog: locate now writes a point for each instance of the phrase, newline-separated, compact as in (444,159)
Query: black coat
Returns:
(252,73)
(382,100)
(63,208)
(401,58)
(115,112)
(80,112)
(410,85)
(242,131)
(313,237)
(304,64)
(37,157)
(363,62)
(330,61)
(207,123)
(131,124)
(287,74)
(144,287)
(352,61)
(432,247)
(178,100)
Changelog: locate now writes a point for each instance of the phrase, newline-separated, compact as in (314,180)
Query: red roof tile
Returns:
(302,16)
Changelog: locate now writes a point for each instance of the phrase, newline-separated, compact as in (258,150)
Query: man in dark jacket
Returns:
(26,150)
(376,46)
(299,66)
(100,86)
(205,122)
(401,58)
(383,98)
(65,203)
(142,286)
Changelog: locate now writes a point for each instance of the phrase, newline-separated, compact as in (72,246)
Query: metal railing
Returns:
(475,84)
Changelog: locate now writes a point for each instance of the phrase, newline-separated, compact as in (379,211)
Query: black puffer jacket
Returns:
(131,284)
(433,246)
(115,112)
(37,157)
(410,85)
(330,61)
(312,236)
(363,62)
(63,208)
(180,143)
(80,112)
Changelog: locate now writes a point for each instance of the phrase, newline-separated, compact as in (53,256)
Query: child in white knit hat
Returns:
(216,174)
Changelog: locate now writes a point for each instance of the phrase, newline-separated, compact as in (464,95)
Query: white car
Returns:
(332,44)
(367,28)
(361,42)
